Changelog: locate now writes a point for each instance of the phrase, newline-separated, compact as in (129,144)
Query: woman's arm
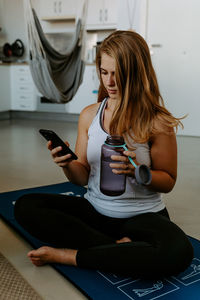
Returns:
(77,171)
(163,153)
(164,161)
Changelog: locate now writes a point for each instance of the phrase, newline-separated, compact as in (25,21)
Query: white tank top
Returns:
(136,199)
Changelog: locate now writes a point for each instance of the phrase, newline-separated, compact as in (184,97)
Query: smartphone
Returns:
(50,135)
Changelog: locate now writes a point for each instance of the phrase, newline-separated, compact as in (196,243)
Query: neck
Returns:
(111,104)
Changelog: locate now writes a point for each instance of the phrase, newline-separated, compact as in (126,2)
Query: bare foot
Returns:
(124,240)
(44,255)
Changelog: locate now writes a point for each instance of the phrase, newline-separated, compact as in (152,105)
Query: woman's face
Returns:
(107,71)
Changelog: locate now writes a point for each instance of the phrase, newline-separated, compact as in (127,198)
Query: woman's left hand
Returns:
(122,165)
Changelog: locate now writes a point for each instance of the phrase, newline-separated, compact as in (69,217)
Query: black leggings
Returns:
(158,248)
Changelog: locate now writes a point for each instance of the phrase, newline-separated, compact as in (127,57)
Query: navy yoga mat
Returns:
(97,285)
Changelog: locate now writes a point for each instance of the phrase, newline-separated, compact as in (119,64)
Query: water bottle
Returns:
(111,184)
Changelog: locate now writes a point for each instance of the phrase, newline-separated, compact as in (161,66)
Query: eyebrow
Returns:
(102,69)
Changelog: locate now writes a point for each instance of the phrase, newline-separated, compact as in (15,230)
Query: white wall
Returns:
(174,34)
(14,21)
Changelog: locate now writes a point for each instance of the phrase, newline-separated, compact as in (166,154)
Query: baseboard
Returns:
(4,115)
(54,116)
(37,115)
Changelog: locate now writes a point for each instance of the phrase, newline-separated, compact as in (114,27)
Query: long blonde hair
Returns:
(140,102)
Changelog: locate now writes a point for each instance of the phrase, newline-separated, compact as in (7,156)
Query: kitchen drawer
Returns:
(21,74)
(24,106)
(23,87)
(21,70)
(22,78)
(23,92)
(24,101)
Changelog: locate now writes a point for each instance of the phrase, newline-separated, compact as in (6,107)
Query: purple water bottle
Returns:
(111,184)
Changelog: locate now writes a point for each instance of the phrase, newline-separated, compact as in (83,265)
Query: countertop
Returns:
(3,63)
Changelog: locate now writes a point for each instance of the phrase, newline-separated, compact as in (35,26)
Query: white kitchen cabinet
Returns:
(56,9)
(132,15)
(87,92)
(58,16)
(102,14)
(5,88)
(23,90)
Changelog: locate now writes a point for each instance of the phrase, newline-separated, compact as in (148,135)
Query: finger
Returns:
(121,158)
(128,172)
(49,145)
(62,159)
(119,166)
(130,153)
(66,142)
(126,168)
(55,151)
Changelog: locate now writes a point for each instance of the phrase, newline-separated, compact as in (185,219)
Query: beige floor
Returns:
(25,162)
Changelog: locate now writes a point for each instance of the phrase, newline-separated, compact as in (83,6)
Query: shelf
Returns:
(59,31)
(66,18)
(103,27)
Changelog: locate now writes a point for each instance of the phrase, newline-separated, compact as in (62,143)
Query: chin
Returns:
(114,97)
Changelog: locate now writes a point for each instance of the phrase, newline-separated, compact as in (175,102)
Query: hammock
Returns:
(57,76)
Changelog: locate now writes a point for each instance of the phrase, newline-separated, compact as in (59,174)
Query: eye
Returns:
(103,72)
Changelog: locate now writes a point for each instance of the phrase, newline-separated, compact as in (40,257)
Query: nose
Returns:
(110,80)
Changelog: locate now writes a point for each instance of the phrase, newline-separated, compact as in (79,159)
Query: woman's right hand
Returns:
(61,161)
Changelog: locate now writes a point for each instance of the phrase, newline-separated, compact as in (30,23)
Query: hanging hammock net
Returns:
(57,76)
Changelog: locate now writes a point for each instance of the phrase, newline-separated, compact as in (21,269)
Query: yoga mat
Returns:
(104,286)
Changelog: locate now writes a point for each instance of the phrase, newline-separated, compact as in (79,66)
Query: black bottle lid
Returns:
(115,140)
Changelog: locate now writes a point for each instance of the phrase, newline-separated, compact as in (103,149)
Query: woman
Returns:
(131,234)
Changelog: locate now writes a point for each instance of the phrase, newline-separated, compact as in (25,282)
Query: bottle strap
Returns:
(142,172)
(125,148)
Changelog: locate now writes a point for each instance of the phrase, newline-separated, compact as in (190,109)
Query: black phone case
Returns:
(50,135)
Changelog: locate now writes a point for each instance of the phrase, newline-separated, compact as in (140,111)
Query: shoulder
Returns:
(162,131)
(87,114)
(161,126)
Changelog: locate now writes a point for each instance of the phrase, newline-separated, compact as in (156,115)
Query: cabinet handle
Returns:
(100,15)
(106,15)
(55,6)
(60,6)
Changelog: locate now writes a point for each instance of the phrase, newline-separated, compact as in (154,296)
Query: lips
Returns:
(112,91)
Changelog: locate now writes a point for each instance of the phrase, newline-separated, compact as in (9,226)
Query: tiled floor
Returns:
(25,162)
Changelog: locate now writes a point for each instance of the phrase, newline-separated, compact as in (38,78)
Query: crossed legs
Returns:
(81,236)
